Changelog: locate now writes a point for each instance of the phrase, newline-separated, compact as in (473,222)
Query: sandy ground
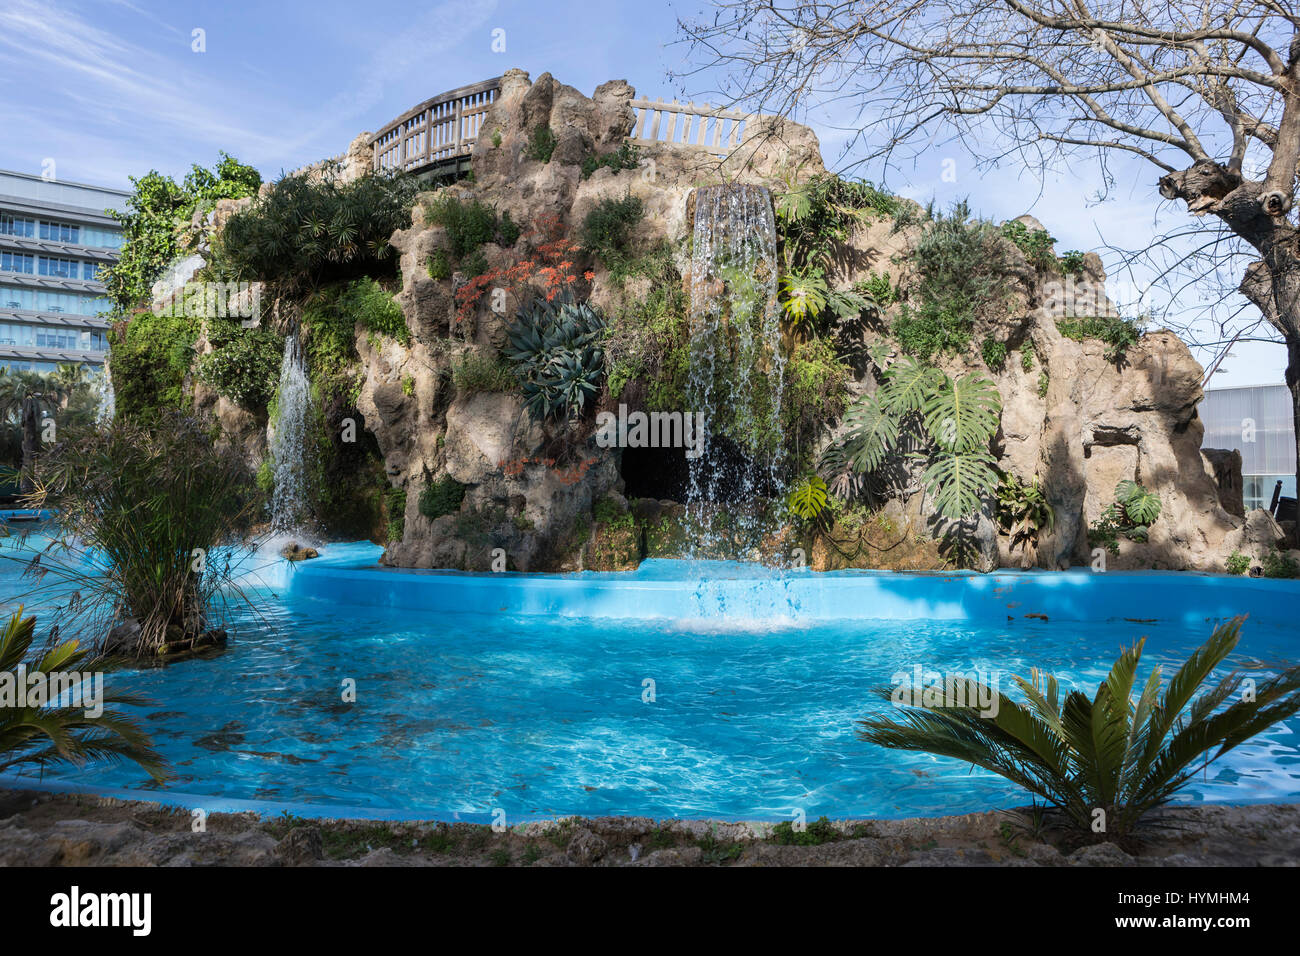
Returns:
(43,829)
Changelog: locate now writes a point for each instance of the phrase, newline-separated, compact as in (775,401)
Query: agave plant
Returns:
(49,733)
(1109,753)
(558,357)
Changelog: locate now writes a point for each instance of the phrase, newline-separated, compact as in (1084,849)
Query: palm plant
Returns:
(27,397)
(43,735)
(1108,753)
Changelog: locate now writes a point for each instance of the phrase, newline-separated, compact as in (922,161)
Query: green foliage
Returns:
(541,144)
(1107,753)
(649,339)
(556,351)
(817,217)
(607,230)
(994,352)
(307,232)
(469,223)
(156,212)
(960,268)
(477,372)
(151,358)
(955,419)
(814,834)
(1118,333)
(441,497)
(1027,355)
(1036,244)
(1071,262)
(244,364)
(439,265)
(1023,511)
(627,156)
(395,508)
(816,390)
(1131,514)
(803,297)
(807,497)
(878,289)
(1279,564)
(141,496)
(42,736)
(1237,563)
(1043,381)
(496,139)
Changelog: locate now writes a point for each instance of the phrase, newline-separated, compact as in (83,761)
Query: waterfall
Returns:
(288,438)
(736,365)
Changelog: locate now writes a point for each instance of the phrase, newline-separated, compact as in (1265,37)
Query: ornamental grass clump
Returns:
(150,517)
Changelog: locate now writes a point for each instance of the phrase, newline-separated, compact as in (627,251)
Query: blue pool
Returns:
(530,694)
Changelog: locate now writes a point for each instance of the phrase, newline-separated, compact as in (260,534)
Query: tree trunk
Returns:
(31,441)
(1293,383)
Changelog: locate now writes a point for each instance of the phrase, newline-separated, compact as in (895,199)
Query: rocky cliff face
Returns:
(1074,417)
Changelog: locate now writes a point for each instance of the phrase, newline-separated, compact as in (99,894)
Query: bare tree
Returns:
(1207,91)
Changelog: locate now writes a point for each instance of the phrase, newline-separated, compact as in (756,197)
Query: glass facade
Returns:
(55,240)
(1256,421)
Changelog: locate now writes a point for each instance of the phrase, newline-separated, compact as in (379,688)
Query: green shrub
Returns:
(1131,514)
(1072,261)
(541,144)
(1279,564)
(960,269)
(816,217)
(474,264)
(308,232)
(878,289)
(244,364)
(607,230)
(442,497)
(1035,244)
(375,308)
(1237,563)
(395,507)
(469,223)
(1044,380)
(1023,510)
(627,156)
(150,361)
(993,352)
(1118,333)
(1027,355)
(476,372)
(556,351)
(439,265)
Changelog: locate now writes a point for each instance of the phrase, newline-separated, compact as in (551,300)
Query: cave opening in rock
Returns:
(665,473)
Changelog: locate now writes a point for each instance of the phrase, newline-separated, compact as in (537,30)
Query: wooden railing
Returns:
(689,124)
(442,130)
(438,131)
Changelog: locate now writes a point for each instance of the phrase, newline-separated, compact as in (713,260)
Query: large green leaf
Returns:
(872,433)
(959,482)
(962,415)
(908,383)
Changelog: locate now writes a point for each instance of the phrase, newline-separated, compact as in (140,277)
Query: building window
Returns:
(15,262)
(16,226)
(89,270)
(60,231)
(60,268)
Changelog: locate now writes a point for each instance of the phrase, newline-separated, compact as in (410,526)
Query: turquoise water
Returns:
(458,714)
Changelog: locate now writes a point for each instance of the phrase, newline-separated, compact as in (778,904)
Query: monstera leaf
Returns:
(807,498)
(907,385)
(959,482)
(1140,506)
(961,416)
(872,433)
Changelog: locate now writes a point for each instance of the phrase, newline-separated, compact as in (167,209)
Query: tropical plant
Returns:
(1023,511)
(1107,759)
(555,347)
(807,497)
(1237,563)
(954,419)
(817,217)
(310,230)
(1131,514)
(1071,261)
(144,510)
(46,733)
(26,398)
(803,297)
(994,352)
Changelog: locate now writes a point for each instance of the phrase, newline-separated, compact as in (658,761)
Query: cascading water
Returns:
(736,365)
(288,438)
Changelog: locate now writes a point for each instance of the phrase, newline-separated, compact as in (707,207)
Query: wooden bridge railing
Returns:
(442,130)
(438,131)
(689,124)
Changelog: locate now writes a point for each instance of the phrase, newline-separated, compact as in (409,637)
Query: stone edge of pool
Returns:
(1077,595)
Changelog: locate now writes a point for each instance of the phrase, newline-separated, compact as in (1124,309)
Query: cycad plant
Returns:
(556,349)
(1107,753)
(954,420)
(42,734)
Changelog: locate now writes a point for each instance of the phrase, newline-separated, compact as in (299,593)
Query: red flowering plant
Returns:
(549,270)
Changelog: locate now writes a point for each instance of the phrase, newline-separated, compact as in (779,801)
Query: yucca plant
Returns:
(1106,753)
(49,734)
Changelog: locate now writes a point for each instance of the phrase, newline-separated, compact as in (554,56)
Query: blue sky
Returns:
(112,88)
